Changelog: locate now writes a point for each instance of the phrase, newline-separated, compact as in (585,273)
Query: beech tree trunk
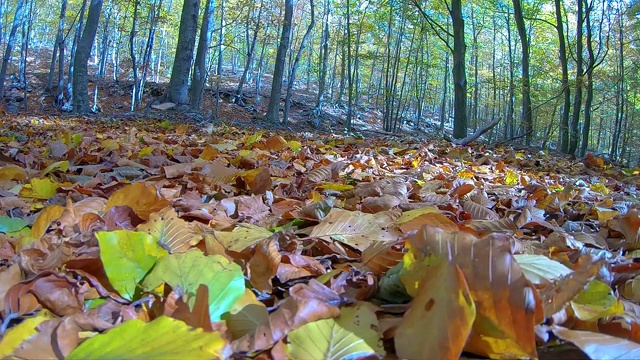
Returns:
(526,115)
(279,68)
(80,75)
(577,100)
(178,89)
(459,72)
(562,55)
(17,18)
(199,75)
(296,62)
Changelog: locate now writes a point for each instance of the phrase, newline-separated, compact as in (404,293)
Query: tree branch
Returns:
(473,137)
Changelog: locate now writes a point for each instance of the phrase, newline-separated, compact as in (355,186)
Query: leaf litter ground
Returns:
(156,239)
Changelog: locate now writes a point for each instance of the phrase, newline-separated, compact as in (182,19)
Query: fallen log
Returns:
(473,137)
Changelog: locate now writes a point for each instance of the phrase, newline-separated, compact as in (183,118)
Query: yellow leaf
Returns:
(21,332)
(209,153)
(411,214)
(40,189)
(245,153)
(142,198)
(465,174)
(295,146)
(145,151)
(336,187)
(316,197)
(605,215)
(110,144)
(596,302)
(45,218)
(599,188)
(254,138)
(243,236)
(511,178)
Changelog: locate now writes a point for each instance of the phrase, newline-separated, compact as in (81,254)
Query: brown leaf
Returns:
(198,316)
(431,218)
(629,226)
(462,190)
(258,180)
(263,266)
(373,205)
(381,256)
(122,217)
(478,211)
(9,276)
(307,303)
(276,143)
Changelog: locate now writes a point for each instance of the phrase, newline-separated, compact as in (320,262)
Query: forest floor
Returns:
(325,244)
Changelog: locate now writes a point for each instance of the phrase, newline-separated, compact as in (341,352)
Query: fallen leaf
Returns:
(163,338)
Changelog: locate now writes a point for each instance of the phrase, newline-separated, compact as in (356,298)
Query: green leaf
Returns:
(351,335)
(9,225)
(537,268)
(77,139)
(127,257)
(163,338)
(188,270)
(58,165)
(595,302)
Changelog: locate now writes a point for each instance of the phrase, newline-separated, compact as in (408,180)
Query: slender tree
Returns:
(577,100)
(17,18)
(458,50)
(80,75)
(565,91)
(526,115)
(279,68)
(199,67)
(296,62)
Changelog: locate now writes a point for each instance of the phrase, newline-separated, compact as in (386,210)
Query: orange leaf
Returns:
(444,304)
(141,197)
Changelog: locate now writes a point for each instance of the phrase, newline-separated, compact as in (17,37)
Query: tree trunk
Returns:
(279,68)
(199,74)
(296,62)
(324,56)
(74,47)
(250,54)
(80,76)
(148,49)
(220,59)
(178,89)
(526,115)
(620,93)
(562,55)
(577,100)
(17,18)
(132,53)
(586,127)
(459,72)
